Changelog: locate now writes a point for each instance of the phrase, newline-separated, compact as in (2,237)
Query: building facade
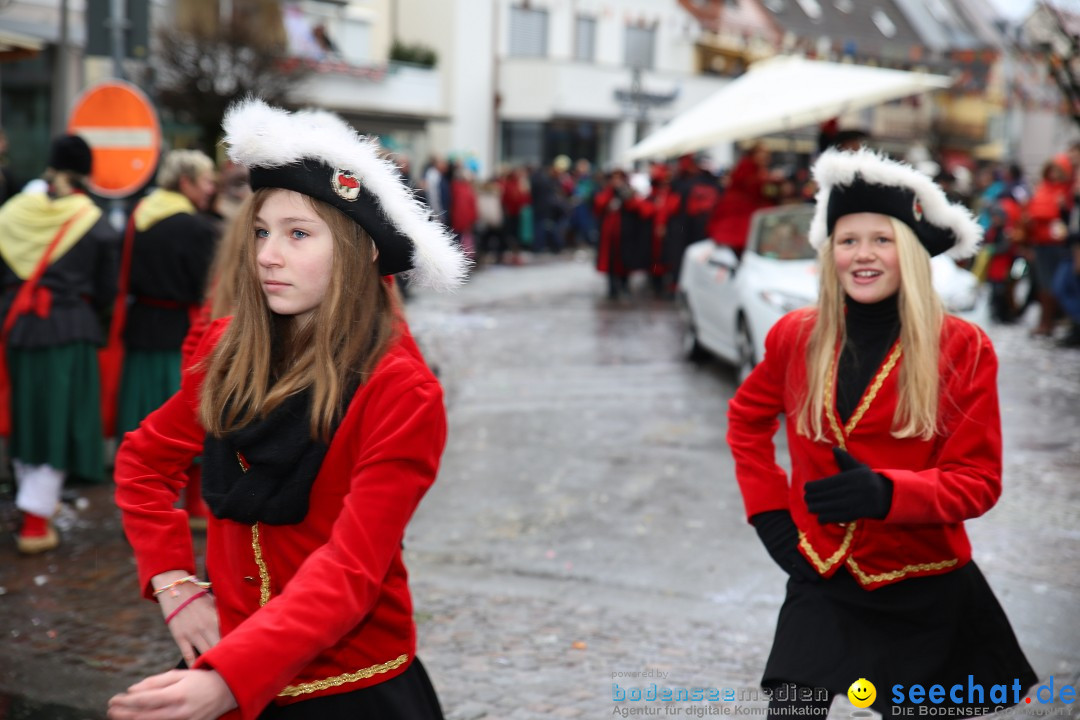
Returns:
(501,82)
(530,80)
(41,71)
(1047,119)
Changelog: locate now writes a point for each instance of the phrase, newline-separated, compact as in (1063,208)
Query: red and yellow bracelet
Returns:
(177,583)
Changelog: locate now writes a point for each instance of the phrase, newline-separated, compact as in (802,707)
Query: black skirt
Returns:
(408,696)
(935,630)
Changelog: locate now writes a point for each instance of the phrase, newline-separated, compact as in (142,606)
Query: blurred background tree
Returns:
(214,54)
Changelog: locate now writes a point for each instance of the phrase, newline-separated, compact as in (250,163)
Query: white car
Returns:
(728,304)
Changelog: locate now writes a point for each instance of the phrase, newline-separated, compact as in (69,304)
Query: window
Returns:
(353,41)
(528,32)
(522,142)
(585,38)
(538,143)
(640,46)
(322,31)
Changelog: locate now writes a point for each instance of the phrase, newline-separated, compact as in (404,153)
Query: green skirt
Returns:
(150,378)
(56,409)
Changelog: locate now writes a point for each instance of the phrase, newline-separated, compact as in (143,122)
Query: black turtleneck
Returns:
(871,331)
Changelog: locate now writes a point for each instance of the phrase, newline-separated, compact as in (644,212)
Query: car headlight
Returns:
(784,302)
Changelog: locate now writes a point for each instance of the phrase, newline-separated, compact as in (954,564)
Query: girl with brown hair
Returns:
(320,428)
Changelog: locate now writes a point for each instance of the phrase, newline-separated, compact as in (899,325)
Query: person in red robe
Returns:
(658,209)
(1048,214)
(625,230)
(607,204)
(745,193)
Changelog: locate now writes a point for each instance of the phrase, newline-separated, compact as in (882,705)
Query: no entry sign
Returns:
(122,129)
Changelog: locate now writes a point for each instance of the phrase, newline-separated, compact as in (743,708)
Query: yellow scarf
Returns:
(159,205)
(29,222)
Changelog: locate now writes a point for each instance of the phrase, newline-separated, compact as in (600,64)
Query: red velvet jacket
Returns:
(937,483)
(730,221)
(1047,209)
(315,608)
(659,207)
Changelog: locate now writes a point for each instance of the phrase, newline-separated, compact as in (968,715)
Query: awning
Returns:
(781,94)
(16,46)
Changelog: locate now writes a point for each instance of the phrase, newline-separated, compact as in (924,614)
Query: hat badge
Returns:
(345,184)
(916,210)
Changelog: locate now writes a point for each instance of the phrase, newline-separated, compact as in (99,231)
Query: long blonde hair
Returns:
(921,318)
(263,358)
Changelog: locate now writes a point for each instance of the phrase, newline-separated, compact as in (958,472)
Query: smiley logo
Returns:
(862,693)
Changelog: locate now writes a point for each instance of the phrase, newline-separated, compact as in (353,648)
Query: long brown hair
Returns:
(229,258)
(921,318)
(263,358)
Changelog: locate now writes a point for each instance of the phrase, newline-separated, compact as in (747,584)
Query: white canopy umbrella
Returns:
(779,94)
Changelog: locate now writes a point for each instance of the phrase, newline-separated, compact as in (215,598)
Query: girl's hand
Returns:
(853,493)
(175,695)
(194,627)
(780,537)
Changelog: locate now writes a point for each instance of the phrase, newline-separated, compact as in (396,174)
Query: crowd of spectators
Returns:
(641,221)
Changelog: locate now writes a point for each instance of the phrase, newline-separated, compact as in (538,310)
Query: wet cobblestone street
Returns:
(585,528)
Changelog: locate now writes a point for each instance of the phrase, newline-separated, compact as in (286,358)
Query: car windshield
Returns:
(783,235)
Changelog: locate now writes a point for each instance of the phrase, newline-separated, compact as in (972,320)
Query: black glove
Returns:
(781,538)
(854,492)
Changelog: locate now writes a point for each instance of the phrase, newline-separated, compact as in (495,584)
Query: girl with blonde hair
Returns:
(894,434)
(320,428)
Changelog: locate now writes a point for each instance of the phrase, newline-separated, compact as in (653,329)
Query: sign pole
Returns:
(60,95)
(118,26)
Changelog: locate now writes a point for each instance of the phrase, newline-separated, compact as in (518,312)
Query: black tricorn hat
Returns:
(865,181)
(71,153)
(318,154)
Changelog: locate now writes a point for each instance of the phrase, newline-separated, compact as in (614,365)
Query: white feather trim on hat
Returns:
(840,167)
(258,135)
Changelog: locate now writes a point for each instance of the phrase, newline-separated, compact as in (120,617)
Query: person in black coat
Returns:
(53,328)
(170,262)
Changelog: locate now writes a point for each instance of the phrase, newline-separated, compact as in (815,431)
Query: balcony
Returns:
(393,89)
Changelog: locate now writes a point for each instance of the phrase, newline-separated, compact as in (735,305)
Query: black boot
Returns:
(614,286)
